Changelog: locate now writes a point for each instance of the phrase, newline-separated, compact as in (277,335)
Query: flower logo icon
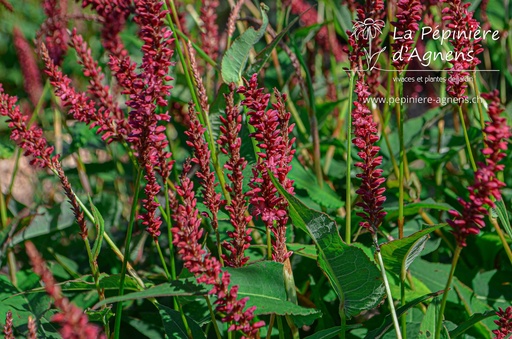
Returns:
(368,30)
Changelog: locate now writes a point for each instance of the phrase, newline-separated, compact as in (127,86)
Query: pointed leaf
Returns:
(263,283)
(181,287)
(473,320)
(100,230)
(399,254)
(428,325)
(501,211)
(354,277)
(236,56)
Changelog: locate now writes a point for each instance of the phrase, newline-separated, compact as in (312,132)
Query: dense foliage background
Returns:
(331,285)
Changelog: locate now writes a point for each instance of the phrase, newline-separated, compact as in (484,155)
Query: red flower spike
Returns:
(486,185)
(408,17)
(231,143)
(272,134)
(74,323)
(504,323)
(187,234)
(113,14)
(465,50)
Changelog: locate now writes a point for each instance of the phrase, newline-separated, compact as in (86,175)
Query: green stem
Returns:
(212,314)
(280,327)
(403,318)
(271,325)
(400,119)
(119,308)
(162,259)
(343,324)
(169,230)
(494,222)
(401,179)
(466,138)
(94,269)
(388,289)
(348,197)
(439,324)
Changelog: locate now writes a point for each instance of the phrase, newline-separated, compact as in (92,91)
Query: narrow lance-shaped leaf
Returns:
(354,277)
(501,211)
(181,287)
(235,58)
(100,230)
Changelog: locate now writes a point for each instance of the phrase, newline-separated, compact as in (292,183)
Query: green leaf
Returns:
(308,251)
(399,254)
(174,326)
(501,211)
(473,320)
(100,230)
(264,55)
(263,283)
(415,207)
(325,334)
(181,287)
(86,283)
(354,277)
(46,221)
(303,179)
(388,321)
(473,304)
(235,59)
(428,325)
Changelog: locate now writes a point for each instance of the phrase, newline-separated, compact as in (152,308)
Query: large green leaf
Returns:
(355,278)
(181,287)
(399,254)
(174,326)
(46,221)
(263,283)
(235,58)
(388,321)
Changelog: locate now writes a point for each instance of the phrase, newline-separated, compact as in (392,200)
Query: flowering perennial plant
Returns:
(74,323)
(465,50)
(31,75)
(147,91)
(408,18)
(504,323)
(113,14)
(486,186)
(237,208)
(211,161)
(208,270)
(275,156)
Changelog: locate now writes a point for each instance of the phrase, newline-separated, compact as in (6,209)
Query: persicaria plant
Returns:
(228,169)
